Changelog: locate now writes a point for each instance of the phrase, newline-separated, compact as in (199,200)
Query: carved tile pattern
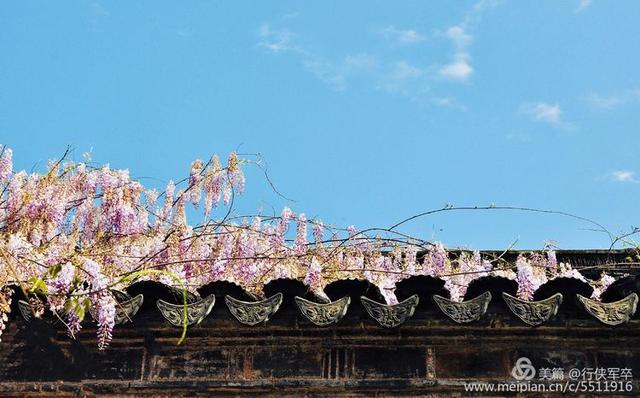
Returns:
(614,313)
(252,313)
(465,311)
(25,310)
(390,316)
(533,313)
(196,312)
(323,314)
(125,310)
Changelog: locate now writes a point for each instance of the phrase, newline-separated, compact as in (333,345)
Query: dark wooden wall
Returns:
(428,356)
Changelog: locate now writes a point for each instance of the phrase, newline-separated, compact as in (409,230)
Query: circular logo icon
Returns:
(523,369)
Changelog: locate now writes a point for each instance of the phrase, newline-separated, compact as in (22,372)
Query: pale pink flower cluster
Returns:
(552,262)
(195,187)
(58,287)
(458,274)
(318,232)
(103,303)
(529,278)
(300,244)
(385,271)
(601,285)
(315,280)
(105,306)
(6,163)
(536,269)
(435,261)
(565,270)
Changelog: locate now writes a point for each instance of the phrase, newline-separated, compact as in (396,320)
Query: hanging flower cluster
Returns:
(73,234)
(537,269)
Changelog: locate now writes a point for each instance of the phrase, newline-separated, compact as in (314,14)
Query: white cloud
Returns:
(458,36)
(336,74)
(326,72)
(100,10)
(603,102)
(404,70)
(624,176)
(459,69)
(400,79)
(185,32)
(395,76)
(544,112)
(388,74)
(281,41)
(360,61)
(474,15)
(608,102)
(448,102)
(583,4)
(276,40)
(402,36)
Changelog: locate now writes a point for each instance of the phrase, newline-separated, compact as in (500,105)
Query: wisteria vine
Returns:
(71,235)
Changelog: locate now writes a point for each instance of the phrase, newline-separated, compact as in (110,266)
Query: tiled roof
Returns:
(559,297)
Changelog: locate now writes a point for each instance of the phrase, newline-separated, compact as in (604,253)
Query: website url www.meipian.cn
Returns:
(572,386)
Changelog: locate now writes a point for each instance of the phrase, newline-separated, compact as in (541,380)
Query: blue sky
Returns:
(366,112)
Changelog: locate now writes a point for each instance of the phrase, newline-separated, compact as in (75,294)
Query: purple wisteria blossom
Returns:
(6,164)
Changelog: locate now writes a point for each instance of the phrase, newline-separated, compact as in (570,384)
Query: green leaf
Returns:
(38,286)
(55,270)
(69,305)
(80,311)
